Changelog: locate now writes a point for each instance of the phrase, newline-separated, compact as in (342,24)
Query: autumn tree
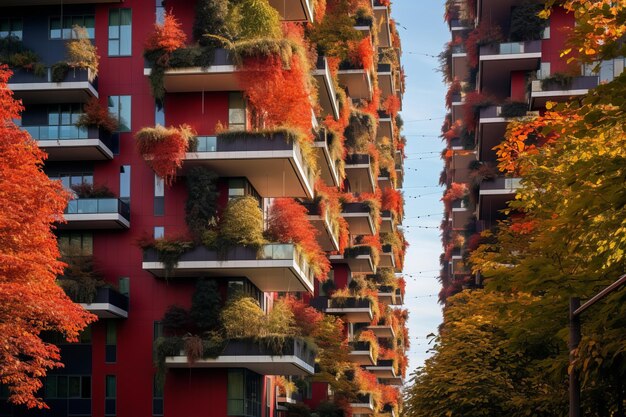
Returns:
(30,300)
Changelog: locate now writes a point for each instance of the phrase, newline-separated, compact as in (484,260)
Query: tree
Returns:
(30,300)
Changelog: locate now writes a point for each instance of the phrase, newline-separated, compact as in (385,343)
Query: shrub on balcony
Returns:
(89,190)
(176,321)
(255,19)
(211,18)
(96,115)
(79,280)
(514,109)
(474,102)
(369,336)
(360,132)
(164,149)
(15,55)
(455,192)
(242,223)
(560,79)
(168,251)
(288,223)
(242,317)
(393,200)
(526,25)
(201,205)
(335,31)
(484,34)
(341,296)
(81,53)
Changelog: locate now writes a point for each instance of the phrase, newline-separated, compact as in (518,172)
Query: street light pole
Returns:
(575,310)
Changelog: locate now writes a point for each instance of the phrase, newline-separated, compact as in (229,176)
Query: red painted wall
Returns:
(518,86)
(200,111)
(341,275)
(196,393)
(561,25)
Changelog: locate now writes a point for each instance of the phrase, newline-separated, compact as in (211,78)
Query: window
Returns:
(244,393)
(110,395)
(160,11)
(159,232)
(120,107)
(159,196)
(157,397)
(110,351)
(72,386)
(544,71)
(239,187)
(237,287)
(76,243)
(123,284)
(236,111)
(125,183)
(65,30)
(159,114)
(74,178)
(157,330)
(120,32)
(268,395)
(546,31)
(11,27)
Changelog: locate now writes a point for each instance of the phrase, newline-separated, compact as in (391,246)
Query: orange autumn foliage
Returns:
(30,299)
(329,199)
(390,394)
(361,53)
(168,36)
(305,316)
(456,191)
(393,200)
(392,105)
(288,223)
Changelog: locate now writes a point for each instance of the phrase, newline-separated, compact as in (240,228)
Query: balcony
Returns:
(497,61)
(108,304)
(272,162)
(386,293)
(273,268)
(494,196)
(359,218)
(399,297)
(96,214)
(385,180)
(295,358)
(386,81)
(385,125)
(359,173)
(492,125)
(284,400)
(385,370)
(361,353)
(543,91)
(461,215)
(459,25)
(358,258)
(458,100)
(327,231)
(294,10)
(78,86)
(352,310)
(459,267)
(381,16)
(382,330)
(387,257)
(400,174)
(460,69)
(221,76)
(71,143)
(497,12)
(460,165)
(326,88)
(329,172)
(388,221)
(357,81)
(363,405)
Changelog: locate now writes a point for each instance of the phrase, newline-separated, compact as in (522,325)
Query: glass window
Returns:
(236,111)
(546,31)
(607,71)
(73,389)
(123,284)
(111,336)
(236,395)
(61,386)
(51,386)
(159,114)
(76,243)
(159,232)
(64,31)
(160,11)
(120,107)
(157,398)
(85,389)
(111,387)
(125,183)
(120,32)
(11,27)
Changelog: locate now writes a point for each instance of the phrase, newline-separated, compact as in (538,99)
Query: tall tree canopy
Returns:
(30,300)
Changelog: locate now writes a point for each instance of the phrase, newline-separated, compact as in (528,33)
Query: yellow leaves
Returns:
(590,51)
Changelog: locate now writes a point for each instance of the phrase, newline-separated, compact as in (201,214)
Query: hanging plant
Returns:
(393,200)
(164,148)
(288,223)
(484,34)
(96,115)
(169,250)
(455,192)
(360,132)
(474,102)
(369,336)
(201,206)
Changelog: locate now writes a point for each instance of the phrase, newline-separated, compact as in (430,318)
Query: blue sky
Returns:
(423,32)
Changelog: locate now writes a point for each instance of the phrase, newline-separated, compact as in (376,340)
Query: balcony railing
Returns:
(69,142)
(77,86)
(295,357)
(328,95)
(96,213)
(500,185)
(108,304)
(511,48)
(361,353)
(353,310)
(328,230)
(274,267)
(359,218)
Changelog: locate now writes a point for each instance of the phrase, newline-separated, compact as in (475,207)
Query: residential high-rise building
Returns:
(202,154)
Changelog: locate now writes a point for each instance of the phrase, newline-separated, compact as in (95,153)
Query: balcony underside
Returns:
(361,264)
(386,297)
(460,164)
(294,10)
(54,93)
(388,224)
(360,223)
(383,372)
(360,178)
(385,182)
(325,237)
(495,71)
(108,304)
(361,357)
(328,168)
(382,332)
(362,408)
(497,12)
(272,173)
(491,133)
(262,364)
(94,221)
(357,82)
(352,315)
(387,260)
(76,150)
(491,206)
(385,128)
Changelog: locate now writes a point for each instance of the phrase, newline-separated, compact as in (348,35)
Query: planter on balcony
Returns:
(96,213)
(272,268)
(78,86)
(352,310)
(363,404)
(385,370)
(359,218)
(108,304)
(382,330)
(273,161)
(361,353)
(295,358)
(358,258)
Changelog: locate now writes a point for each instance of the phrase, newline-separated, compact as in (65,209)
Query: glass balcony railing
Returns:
(63,132)
(207,143)
(98,206)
